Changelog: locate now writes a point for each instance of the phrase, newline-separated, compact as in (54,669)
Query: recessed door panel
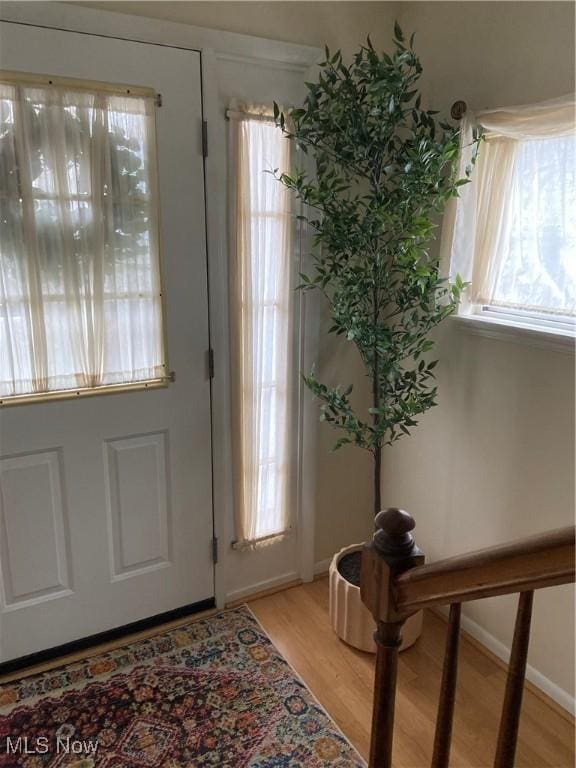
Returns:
(137,475)
(35,561)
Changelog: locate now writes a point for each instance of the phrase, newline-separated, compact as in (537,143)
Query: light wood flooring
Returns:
(342,680)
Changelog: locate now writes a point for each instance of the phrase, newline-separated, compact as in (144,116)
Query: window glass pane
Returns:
(538,269)
(80,297)
(262,331)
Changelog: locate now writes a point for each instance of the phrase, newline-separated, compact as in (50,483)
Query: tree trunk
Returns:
(377,469)
(376,394)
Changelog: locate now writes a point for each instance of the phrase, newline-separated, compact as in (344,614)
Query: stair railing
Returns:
(395,584)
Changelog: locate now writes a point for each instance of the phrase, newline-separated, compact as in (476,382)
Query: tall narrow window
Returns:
(80,297)
(260,324)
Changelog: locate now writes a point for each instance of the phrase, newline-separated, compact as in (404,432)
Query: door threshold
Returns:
(117,633)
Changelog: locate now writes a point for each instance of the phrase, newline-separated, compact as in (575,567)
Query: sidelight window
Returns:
(260,323)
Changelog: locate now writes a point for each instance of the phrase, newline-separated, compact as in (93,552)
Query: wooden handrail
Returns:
(545,560)
(395,584)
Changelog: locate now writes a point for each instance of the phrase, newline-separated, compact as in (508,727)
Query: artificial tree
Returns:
(384,170)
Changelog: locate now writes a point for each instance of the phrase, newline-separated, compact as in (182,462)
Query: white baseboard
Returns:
(559,695)
(261,586)
(322,566)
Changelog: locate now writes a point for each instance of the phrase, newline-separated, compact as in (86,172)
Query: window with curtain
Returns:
(260,324)
(512,232)
(80,290)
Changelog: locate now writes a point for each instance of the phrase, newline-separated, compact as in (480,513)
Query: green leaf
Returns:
(384,171)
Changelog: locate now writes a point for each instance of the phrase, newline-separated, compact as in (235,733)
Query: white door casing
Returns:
(106,502)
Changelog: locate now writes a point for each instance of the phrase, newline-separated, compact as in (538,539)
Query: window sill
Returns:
(518,333)
(78,394)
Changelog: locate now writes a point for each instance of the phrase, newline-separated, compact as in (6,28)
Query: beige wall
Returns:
(342,25)
(495,460)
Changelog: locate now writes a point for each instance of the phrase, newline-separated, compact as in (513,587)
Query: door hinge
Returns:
(210,363)
(158,99)
(214,549)
(205,138)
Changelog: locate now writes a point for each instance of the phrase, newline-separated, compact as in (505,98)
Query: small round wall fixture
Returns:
(458,110)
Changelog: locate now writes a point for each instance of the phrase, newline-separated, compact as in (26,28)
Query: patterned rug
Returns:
(212,693)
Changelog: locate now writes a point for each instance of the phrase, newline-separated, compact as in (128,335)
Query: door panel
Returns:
(106,502)
(137,484)
(33,523)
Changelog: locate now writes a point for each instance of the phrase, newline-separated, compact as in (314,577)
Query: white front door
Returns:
(106,502)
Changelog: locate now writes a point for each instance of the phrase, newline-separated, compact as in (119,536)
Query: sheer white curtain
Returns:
(80,295)
(260,323)
(512,231)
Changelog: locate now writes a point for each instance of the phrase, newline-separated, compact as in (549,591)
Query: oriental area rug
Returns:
(211,693)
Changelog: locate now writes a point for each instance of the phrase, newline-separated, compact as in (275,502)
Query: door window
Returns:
(80,284)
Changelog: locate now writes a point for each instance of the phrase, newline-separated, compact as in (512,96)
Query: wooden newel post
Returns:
(391,552)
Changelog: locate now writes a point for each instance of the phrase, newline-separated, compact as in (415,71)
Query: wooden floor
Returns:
(342,680)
